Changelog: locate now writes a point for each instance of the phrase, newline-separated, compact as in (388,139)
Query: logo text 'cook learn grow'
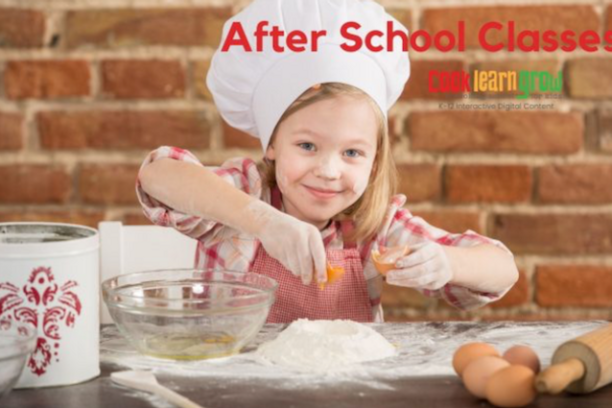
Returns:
(525,82)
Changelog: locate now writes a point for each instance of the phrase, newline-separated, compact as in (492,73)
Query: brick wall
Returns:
(87,89)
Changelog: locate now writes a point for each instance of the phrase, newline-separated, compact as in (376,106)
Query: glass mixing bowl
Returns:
(16,344)
(189,314)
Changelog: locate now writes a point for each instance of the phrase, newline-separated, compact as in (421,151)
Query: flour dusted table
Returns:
(419,376)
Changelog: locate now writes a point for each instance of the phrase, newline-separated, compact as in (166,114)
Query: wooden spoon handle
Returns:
(175,398)
(557,377)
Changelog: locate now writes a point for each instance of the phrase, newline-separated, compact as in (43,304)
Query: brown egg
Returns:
(385,261)
(523,355)
(471,351)
(512,386)
(477,373)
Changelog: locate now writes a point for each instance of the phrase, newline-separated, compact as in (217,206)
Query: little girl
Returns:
(325,190)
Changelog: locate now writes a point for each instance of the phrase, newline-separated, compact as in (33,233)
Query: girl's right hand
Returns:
(297,245)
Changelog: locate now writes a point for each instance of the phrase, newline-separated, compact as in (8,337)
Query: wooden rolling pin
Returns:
(581,365)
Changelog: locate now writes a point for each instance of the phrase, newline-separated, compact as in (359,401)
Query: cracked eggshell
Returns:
(384,261)
(334,274)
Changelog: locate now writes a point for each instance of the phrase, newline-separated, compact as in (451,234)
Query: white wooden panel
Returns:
(153,247)
(125,249)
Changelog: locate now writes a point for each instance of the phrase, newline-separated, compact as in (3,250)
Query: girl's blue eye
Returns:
(353,153)
(307,146)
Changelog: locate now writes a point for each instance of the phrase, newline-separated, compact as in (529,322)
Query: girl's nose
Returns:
(328,169)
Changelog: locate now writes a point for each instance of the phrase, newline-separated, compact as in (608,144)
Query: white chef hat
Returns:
(253,89)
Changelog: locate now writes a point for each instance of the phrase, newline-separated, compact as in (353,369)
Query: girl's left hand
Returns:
(426,267)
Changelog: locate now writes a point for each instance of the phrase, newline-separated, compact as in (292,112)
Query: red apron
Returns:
(345,299)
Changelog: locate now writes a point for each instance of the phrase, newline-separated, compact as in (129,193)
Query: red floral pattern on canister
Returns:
(44,305)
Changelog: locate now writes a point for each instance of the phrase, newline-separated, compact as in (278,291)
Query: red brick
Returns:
(197,27)
(46,79)
(453,221)
(394,133)
(123,129)
(575,183)
(108,183)
(21,28)
(397,297)
(72,216)
(135,219)
(558,233)
(491,131)
(590,78)
(487,183)
(557,18)
(148,79)
(33,183)
(417,86)
(199,70)
(402,15)
(574,285)
(234,138)
(517,296)
(394,296)
(11,131)
(419,182)
(604,124)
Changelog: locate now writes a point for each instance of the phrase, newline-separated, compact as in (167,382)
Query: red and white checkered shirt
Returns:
(221,247)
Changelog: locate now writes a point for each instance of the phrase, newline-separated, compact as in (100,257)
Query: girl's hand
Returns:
(297,245)
(426,267)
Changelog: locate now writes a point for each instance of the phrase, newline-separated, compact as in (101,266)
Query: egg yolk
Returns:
(334,274)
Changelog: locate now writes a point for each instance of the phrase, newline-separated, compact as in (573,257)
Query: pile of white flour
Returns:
(325,345)
(422,349)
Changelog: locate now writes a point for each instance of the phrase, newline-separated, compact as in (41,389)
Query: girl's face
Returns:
(324,155)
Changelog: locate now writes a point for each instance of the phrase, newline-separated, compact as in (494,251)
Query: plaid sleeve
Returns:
(403,228)
(239,172)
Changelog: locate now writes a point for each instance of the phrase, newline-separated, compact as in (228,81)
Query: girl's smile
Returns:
(322,193)
(324,155)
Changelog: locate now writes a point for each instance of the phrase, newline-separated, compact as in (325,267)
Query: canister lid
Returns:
(35,238)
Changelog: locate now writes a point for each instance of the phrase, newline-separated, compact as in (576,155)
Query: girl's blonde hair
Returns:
(369,210)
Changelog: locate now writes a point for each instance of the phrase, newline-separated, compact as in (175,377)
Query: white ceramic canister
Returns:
(49,279)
